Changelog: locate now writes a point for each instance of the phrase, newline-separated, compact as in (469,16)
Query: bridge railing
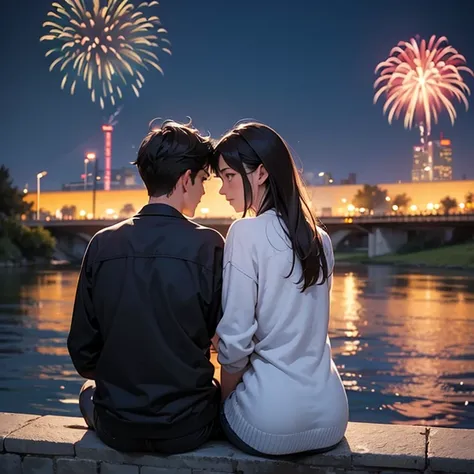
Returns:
(359,219)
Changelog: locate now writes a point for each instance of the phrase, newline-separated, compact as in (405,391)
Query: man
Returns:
(147,305)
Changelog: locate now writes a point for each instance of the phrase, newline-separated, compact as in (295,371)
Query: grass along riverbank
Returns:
(449,256)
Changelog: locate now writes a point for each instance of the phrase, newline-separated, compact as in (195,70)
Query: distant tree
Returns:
(127,210)
(19,241)
(401,200)
(16,240)
(12,202)
(468,200)
(35,242)
(69,212)
(448,203)
(370,197)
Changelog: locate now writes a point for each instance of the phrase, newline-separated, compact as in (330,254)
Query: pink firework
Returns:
(420,80)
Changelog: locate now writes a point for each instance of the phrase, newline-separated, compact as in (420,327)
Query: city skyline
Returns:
(293,69)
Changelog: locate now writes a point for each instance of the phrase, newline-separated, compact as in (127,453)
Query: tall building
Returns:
(442,157)
(351,179)
(422,164)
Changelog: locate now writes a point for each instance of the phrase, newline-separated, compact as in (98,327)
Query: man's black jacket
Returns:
(148,302)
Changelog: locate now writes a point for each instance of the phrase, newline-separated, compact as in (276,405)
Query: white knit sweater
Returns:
(291,398)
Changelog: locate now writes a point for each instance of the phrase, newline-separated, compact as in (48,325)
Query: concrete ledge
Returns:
(53,444)
(451,450)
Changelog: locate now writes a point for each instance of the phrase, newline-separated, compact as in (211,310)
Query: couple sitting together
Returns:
(156,290)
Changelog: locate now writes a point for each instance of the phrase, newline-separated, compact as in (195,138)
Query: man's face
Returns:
(194,192)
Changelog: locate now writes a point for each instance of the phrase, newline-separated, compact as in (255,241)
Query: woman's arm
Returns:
(238,325)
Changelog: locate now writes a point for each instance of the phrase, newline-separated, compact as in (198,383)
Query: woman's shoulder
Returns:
(324,237)
(246,234)
(327,246)
(248,225)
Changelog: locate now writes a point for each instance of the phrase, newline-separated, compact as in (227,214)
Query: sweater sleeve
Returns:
(238,325)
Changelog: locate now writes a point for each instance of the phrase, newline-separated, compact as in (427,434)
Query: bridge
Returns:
(385,233)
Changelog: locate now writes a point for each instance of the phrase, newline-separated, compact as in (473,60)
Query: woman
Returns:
(282,391)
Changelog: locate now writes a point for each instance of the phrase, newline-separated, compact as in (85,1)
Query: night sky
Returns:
(305,67)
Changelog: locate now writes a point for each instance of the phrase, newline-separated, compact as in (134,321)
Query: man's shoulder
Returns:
(102,237)
(106,232)
(203,235)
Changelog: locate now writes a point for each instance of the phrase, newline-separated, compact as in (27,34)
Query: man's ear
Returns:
(186,180)
(262,175)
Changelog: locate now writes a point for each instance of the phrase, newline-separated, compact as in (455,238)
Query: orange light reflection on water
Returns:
(422,326)
(403,341)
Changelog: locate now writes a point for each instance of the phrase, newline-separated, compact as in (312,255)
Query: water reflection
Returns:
(407,354)
(403,341)
(36,373)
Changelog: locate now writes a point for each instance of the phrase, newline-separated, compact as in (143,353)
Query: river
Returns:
(403,341)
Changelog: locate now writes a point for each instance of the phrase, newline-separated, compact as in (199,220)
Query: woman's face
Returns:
(232,186)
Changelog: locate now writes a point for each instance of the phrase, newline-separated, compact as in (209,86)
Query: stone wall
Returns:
(32,444)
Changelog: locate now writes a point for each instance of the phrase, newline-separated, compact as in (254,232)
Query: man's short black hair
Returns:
(166,154)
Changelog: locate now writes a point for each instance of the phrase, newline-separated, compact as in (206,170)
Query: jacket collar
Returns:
(158,209)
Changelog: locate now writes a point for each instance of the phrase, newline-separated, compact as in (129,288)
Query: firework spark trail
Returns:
(105,46)
(420,80)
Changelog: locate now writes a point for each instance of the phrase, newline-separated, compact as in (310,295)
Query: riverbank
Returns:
(22,246)
(451,257)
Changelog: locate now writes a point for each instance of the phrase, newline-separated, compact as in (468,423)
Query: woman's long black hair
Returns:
(246,147)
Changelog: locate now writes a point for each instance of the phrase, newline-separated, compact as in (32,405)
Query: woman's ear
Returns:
(262,175)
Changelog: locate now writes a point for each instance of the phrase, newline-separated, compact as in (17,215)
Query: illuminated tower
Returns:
(442,154)
(108,130)
(422,169)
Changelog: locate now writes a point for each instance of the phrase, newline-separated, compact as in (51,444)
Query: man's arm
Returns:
(85,341)
(229,381)
(215,306)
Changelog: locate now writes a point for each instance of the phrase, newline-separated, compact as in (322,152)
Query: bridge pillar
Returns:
(70,246)
(338,236)
(383,240)
(448,234)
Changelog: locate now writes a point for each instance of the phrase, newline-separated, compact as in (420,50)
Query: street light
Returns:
(92,157)
(86,161)
(38,191)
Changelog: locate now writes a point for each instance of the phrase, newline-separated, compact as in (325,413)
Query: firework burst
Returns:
(107,47)
(420,80)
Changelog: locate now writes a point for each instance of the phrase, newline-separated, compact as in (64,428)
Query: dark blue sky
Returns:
(304,67)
